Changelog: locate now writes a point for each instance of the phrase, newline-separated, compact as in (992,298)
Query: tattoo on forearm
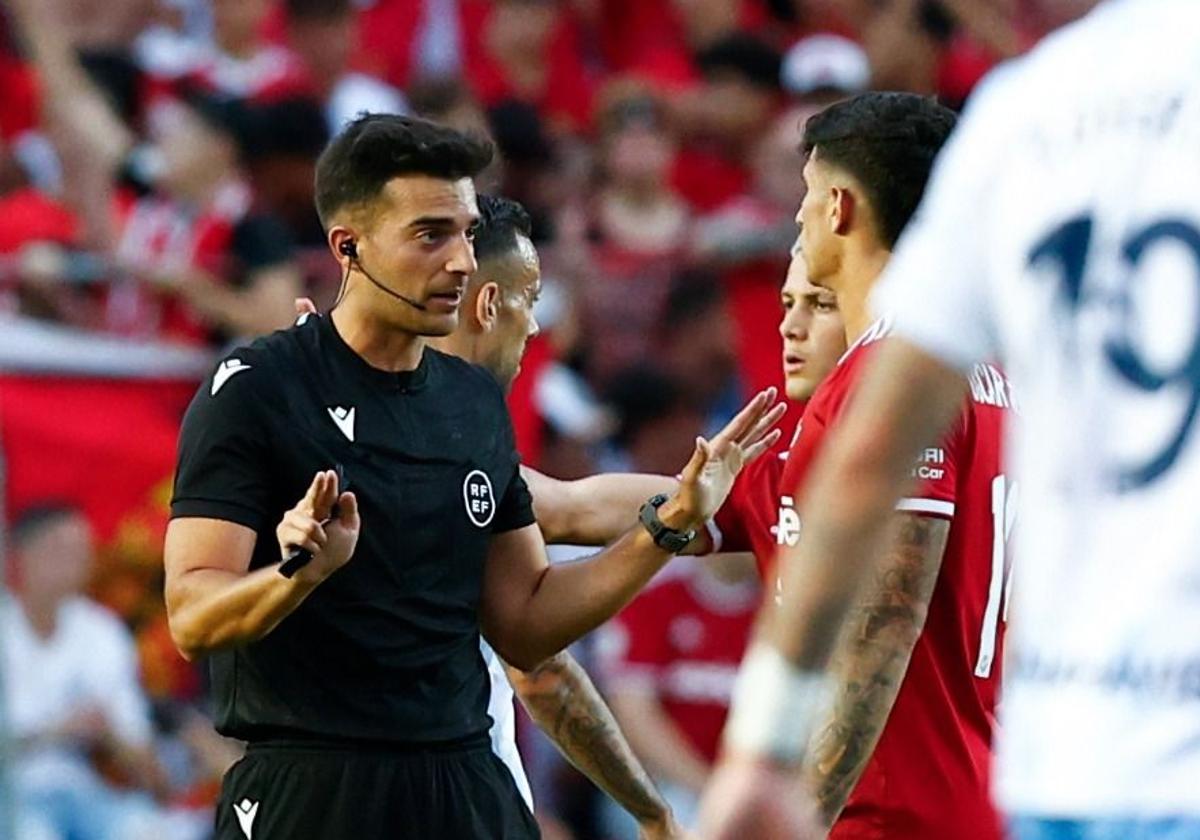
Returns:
(871,658)
(566,705)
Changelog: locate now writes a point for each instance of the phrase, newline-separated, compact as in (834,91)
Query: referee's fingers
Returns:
(348,511)
(297,526)
(326,496)
(309,502)
(700,455)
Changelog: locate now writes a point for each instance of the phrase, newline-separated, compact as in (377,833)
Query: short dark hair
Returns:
(374,148)
(887,142)
(501,221)
(36,518)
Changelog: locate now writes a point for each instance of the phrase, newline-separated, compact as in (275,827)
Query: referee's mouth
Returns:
(445,301)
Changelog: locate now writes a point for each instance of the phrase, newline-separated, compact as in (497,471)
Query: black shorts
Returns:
(329,792)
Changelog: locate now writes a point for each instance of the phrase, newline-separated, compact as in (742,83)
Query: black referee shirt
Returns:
(387,648)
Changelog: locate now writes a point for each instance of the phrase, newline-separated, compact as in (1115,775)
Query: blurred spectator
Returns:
(823,67)
(530,51)
(747,239)
(401,41)
(724,117)
(657,423)
(636,230)
(77,711)
(280,148)
(235,59)
(321,33)
(192,259)
(655,39)
(697,345)
(669,661)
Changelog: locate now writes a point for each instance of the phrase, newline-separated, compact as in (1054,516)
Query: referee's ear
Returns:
(487,305)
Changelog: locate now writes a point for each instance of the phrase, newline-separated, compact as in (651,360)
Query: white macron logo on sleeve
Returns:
(225,371)
(344,418)
(246,811)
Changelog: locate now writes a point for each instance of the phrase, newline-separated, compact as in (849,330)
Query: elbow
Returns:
(525,660)
(549,677)
(186,640)
(192,639)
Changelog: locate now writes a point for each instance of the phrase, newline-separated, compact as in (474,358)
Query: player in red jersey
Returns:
(595,510)
(904,750)
(755,516)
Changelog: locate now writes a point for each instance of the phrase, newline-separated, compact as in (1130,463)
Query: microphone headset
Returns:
(349,248)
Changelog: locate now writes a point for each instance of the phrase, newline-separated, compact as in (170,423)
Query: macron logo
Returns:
(246,811)
(225,371)
(344,418)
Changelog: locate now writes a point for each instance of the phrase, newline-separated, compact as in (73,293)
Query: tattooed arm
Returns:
(872,656)
(565,705)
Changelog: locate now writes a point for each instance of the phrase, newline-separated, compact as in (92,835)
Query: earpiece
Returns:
(349,248)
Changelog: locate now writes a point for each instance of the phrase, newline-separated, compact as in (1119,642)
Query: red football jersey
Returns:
(747,520)
(929,777)
(683,639)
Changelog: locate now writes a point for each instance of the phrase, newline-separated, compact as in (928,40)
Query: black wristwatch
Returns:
(665,538)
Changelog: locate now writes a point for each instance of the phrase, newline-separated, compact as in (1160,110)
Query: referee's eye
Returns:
(471,232)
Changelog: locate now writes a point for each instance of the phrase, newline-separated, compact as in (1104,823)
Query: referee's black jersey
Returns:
(387,648)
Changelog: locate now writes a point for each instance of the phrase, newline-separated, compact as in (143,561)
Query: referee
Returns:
(357,681)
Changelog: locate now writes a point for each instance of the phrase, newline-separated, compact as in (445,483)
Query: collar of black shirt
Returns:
(404,380)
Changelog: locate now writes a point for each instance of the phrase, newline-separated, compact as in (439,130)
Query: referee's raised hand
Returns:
(312,526)
(708,477)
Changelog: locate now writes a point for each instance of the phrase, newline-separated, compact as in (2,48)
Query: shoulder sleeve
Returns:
(936,474)
(223,465)
(938,285)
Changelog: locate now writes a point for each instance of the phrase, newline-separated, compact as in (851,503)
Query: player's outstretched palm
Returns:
(709,475)
(311,525)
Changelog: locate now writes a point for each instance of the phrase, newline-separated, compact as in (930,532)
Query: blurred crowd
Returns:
(156,168)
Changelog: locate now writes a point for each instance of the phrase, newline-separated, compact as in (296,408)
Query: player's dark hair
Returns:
(887,142)
(501,221)
(374,148)
(36,518)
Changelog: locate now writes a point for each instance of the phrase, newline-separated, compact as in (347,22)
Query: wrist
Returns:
(776,707)
(675,516)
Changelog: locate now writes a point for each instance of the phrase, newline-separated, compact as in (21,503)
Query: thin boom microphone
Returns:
(384,288)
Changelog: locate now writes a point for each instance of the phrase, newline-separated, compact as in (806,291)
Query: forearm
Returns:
(594,510)
(570,600)
(84,126)
(212,609)
(871,659)
(659,742)
(851,495)
(562,700)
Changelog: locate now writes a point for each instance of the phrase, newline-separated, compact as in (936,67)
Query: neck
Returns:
(42,615)
(380,344)
(455,344)
(860,268)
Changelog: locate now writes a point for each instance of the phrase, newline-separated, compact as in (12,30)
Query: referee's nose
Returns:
(462,256)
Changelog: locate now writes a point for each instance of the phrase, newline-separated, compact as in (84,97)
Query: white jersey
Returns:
(1060,233)
(504,721)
